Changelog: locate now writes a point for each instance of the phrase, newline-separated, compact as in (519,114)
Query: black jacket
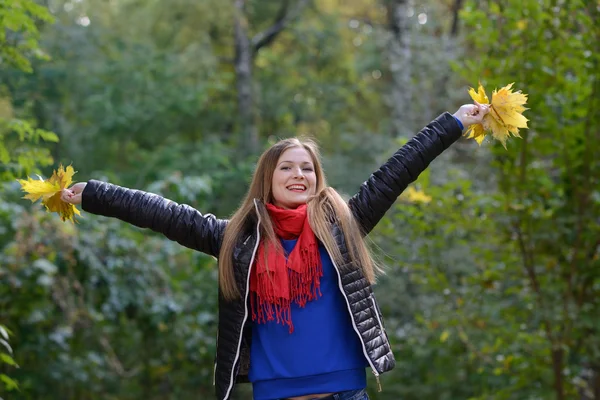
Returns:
(204,232)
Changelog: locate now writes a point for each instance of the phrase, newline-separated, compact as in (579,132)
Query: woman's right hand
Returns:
(72,195)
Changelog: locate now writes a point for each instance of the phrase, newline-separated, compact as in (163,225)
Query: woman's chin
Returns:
(291,205)
(295,205)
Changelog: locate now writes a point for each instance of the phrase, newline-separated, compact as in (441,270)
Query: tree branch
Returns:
(114,361)
(455,17)
(529,266)
(283,19)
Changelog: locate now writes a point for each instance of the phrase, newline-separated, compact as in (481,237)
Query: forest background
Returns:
(492,257)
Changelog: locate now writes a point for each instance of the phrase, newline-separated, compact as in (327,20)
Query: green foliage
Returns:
(19,34)
(6,359)
(20,149)
(492,287)
(103,309)
(506,272)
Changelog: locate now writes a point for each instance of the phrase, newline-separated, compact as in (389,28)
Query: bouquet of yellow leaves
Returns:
(505,116)
(50,191)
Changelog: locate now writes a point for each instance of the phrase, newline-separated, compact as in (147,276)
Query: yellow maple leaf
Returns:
(505,116)
(480,95)
(477,131)
(49,192)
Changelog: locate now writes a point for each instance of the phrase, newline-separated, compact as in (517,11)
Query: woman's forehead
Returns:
(295,155)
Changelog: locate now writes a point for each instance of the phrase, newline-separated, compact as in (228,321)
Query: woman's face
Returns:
(294,178)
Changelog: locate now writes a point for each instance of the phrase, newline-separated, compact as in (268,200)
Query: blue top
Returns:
(322,355)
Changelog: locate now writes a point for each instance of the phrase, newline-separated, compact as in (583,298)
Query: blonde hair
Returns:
(324,208)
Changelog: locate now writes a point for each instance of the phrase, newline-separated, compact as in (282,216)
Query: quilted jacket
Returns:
(204,232)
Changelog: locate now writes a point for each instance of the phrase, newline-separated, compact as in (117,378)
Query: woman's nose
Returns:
(298,174)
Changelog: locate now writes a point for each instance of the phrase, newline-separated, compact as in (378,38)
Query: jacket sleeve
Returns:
(383,187)
(178,222)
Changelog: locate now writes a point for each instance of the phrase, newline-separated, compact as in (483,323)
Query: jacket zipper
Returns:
(382,330)
(237,353)
(215,368)
(377,314)
(364,347)
(215,374)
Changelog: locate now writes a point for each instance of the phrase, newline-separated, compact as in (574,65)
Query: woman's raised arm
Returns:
(178,222)
(380,191)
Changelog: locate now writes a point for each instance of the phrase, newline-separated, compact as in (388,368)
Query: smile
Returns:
(296,188)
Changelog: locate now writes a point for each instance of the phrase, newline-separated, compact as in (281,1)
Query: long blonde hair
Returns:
(324,208)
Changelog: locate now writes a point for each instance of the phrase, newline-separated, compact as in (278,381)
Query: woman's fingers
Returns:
(470,114)
(479,111)
(66,195)
(78,187)
(73,194)
(69,196)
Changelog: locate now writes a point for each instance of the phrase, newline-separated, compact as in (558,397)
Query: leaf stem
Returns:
(497,114)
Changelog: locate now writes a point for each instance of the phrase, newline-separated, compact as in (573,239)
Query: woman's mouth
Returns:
(296,188)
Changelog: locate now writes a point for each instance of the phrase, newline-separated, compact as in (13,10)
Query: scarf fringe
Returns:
(303,287)
(278,282)
(278,310)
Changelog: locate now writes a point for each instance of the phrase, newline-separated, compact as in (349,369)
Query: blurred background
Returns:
(492,257)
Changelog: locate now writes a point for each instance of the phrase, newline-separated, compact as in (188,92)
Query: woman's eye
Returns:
(307,169)
(284,168)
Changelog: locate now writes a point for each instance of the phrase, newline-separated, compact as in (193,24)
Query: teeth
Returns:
(296,187)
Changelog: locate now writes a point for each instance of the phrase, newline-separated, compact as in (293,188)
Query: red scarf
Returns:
(276,282)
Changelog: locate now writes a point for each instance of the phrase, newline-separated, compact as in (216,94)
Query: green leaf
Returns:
(8,360)
(47,135)
(444,336)
(4,155)
(3,332)
(10,383)
(6,345)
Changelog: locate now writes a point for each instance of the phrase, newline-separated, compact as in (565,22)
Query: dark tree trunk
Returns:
(243,71)
(245,49)
(455,17)
(399,55)
(557,367)
(450,50)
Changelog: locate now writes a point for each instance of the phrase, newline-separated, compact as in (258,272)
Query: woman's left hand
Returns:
(73,194)
(470,114)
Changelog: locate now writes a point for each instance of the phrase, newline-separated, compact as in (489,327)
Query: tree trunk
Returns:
(245,49)
(243,71)
(399,57)
(557,366)
(450,51)
(455,17)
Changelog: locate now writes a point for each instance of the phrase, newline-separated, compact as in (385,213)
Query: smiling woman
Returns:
(297,313)
(294,178)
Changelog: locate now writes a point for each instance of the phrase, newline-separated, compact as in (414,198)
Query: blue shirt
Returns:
(322,355)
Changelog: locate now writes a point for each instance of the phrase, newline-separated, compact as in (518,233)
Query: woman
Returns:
(297,315)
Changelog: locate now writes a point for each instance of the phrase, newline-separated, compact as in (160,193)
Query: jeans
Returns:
(360,394)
